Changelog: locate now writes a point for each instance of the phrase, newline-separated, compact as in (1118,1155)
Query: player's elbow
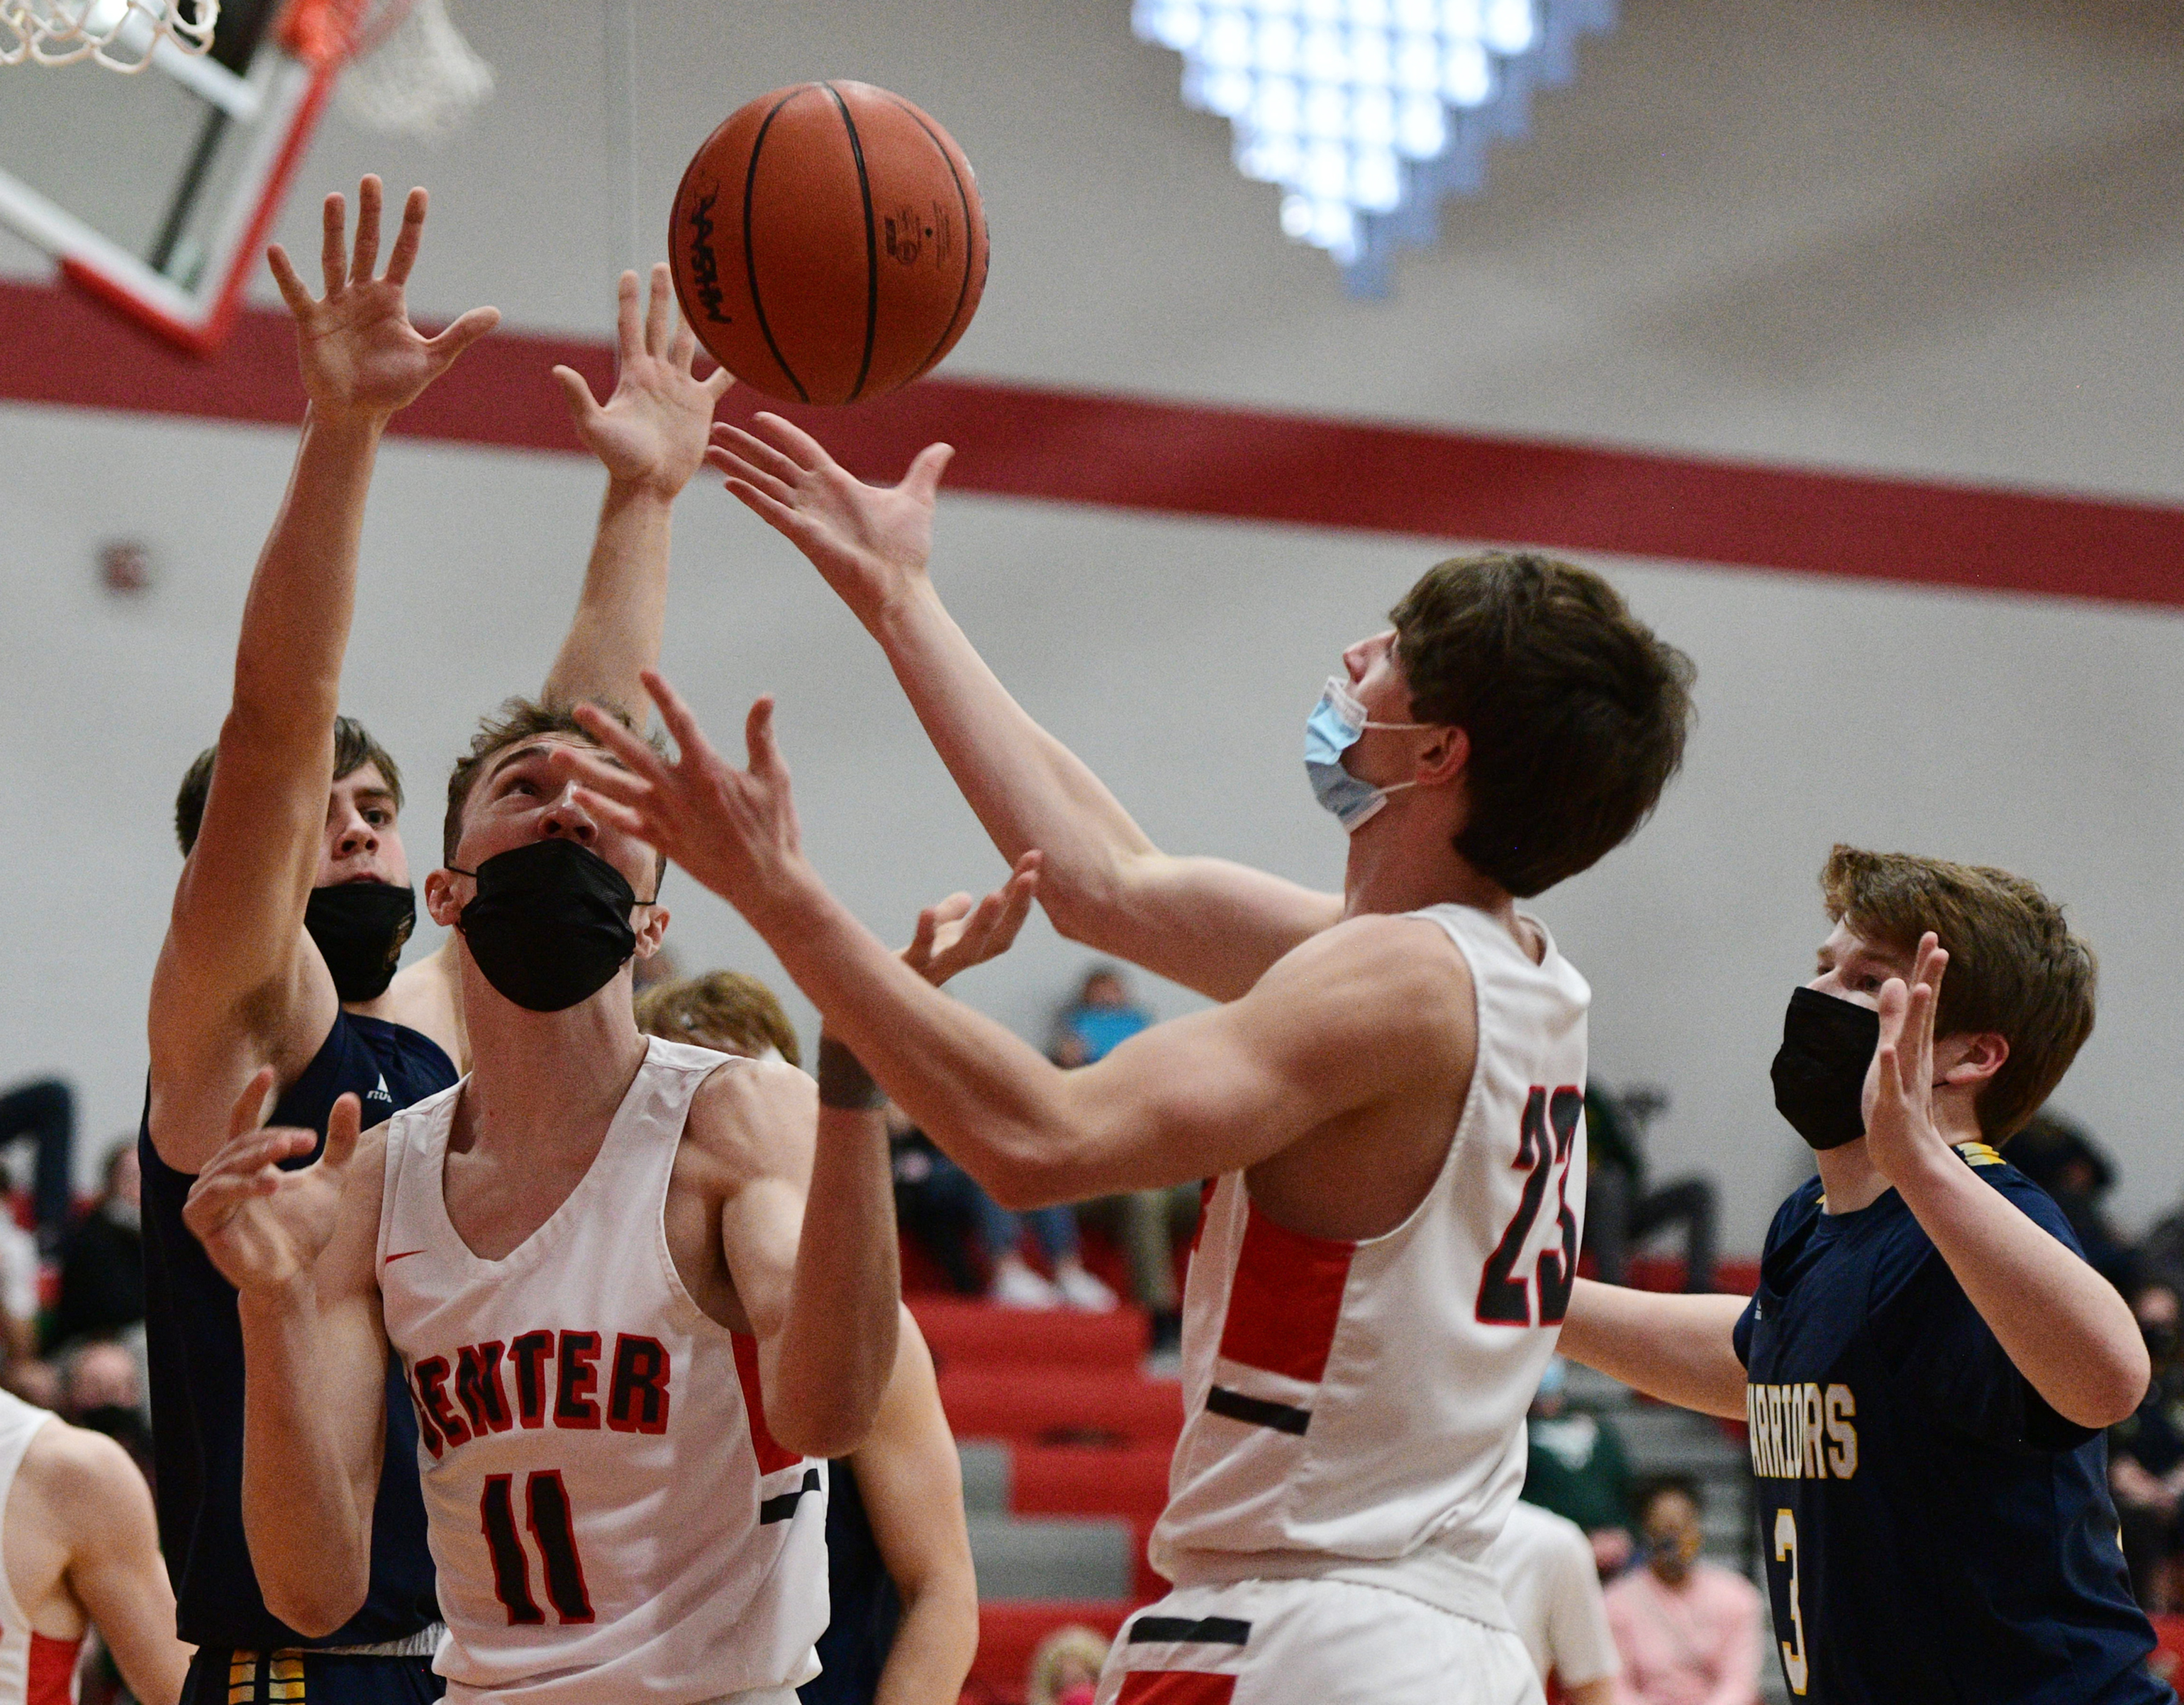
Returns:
(319,1600)
(829,1427)
(2111,1387)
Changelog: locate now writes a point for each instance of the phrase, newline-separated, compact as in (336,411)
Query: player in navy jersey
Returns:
(1929,1362)
(293,906)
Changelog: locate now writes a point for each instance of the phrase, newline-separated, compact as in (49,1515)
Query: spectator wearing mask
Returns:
(1552,1588)
(1688,1630)
(1575,1466)
(2146,1456)
(102,1289)
(1621,1209)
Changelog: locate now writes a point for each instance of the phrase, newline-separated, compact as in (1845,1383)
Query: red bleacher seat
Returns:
(964,1331)
(1061,1406)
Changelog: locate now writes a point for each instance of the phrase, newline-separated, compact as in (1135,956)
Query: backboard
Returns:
(156,192)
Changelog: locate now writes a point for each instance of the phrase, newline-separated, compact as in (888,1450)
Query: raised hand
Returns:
(653,430)
(956,934)
(870,542)
(264,1227)
(1900,1132)
(361,357)
(734,830)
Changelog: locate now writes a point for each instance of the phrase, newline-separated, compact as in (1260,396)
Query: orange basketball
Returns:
(829,243)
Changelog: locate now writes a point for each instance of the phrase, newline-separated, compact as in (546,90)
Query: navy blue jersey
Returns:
(864,1606)
(1933,1530)
(195,1346)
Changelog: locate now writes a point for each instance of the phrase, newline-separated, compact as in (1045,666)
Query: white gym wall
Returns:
(1937,238)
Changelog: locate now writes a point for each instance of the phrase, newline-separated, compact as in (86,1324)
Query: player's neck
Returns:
(544,1077)
(1852,1181)
(1392,872)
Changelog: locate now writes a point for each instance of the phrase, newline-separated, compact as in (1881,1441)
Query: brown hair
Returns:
(354,748)
(2015,968)
(721,1007)
(1575,712)
(516,721)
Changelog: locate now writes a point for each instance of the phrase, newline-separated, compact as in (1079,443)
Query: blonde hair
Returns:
(2015,968)
(1076,1641)
(721,1009)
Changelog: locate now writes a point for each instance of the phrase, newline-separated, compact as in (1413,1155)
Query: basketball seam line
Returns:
(872,243)
(963,196)
(750,262)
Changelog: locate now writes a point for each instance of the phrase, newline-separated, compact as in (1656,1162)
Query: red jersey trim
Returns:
(1285,1300)
(771,1456)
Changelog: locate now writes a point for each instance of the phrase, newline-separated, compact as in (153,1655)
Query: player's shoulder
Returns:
(749,1111)
(1799,1210)
(1391,963)
(1991,1166)
(78,1474)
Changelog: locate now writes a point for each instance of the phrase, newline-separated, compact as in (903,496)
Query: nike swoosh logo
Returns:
(403,1256)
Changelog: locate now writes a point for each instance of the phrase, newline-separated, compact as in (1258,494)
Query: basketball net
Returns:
(121,35)
(413,75)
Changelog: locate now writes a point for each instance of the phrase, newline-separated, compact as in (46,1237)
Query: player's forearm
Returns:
(993,1104)
(1027,788)
(2064,1327)
(309,1532)
(1680,1350)
(934,1642)
(296,617)
(837,1345)
(622,611)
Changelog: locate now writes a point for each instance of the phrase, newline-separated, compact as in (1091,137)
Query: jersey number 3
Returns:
(1545,1144)
(553,1529)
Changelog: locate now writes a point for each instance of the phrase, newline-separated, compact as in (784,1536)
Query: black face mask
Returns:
(2161,1341)
(549,925)
(1819,1069)
(359,927)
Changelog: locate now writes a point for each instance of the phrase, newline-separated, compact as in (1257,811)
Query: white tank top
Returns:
(1353,1406)
(34,1669)
(609,1516)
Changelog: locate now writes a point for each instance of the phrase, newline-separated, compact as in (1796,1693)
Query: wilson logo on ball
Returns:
(829,243)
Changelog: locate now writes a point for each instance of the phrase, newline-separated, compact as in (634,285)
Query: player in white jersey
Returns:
(631,1296)
(78,1550)
(1544,1563)
(1390,1100)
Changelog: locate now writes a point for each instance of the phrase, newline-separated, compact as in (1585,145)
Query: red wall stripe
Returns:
(1140,452)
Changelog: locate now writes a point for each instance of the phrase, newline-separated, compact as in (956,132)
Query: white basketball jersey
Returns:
(1363,1402)
(34,1669)
(609,1516)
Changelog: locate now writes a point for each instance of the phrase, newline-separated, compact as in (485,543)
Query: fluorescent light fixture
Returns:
(1366,113)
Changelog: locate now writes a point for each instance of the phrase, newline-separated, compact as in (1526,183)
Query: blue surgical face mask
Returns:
(1336,724)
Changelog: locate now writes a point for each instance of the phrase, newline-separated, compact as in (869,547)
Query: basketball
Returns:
(829,243)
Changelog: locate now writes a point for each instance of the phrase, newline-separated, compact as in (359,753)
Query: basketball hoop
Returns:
(121,35)
(411,74)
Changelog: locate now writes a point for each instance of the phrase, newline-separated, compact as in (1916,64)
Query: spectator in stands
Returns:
(19,1285)
(2146,1454)
(998,1236)
(1552,1588)
(1065,1669)
(103,1260)
(43,1113)
(102,1388)
(1100,1019)
(2062,1157)
(903,1594)
(1689,1631)
(1620,1209)
(1575,1466)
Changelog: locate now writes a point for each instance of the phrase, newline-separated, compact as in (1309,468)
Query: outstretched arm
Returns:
(2066,1329)
(238,980)
(1357,1016)
(1209,924)
(650,435)
(299,1247)
(1681,1350)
